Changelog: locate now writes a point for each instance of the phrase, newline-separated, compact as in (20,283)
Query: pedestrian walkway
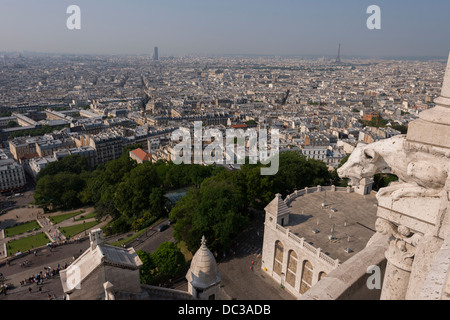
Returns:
(250,249)
(51,230)
(36,283)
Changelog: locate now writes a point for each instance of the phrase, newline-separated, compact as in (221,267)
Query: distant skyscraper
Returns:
(338,58)
(155,54)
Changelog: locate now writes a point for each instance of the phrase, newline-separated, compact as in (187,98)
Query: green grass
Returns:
(88,216)
(76,229)
(184,250)
(27,243)
(59,218)
(29,226)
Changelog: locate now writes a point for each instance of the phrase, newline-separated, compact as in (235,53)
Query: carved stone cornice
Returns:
(401,254)
(402,246)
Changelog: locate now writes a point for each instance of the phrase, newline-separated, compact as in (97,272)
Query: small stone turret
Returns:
(277,211)
(203,276)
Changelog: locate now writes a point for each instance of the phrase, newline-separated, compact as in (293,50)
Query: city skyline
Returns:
(299,149)
(408,29)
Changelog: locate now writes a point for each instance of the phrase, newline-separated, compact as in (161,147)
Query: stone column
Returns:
(400,256)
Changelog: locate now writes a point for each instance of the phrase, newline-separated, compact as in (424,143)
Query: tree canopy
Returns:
(216,204)
(219,208)
(165,262)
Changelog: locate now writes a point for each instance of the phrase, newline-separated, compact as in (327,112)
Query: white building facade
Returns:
(12,175)
(287,258)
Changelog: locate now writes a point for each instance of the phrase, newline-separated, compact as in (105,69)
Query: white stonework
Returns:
(287,256)
(112,273)
(84,279)
(203,276)
(414,211)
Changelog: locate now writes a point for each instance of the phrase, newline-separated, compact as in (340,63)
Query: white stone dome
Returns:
(203,272)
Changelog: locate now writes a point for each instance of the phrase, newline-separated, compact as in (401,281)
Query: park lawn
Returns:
(88,216)
(29,226)
(28,243)
(76,229)
(59,218)
(184,250)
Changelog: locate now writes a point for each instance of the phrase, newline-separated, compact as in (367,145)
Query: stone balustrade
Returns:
(298,193)
(311,249)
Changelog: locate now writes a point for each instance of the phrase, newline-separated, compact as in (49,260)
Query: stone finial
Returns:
(433,125)
(444,99)
(203,241)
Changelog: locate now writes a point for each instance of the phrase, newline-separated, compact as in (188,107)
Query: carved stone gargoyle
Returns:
(420,173)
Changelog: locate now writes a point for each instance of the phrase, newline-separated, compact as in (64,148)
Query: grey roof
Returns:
(120,256)
(91,259)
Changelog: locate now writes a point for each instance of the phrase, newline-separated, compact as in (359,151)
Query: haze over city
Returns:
(241,151)
(408,28)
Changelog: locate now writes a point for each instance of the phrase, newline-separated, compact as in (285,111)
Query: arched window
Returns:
(307,274)
(291,268)
(278,258)
(322,275)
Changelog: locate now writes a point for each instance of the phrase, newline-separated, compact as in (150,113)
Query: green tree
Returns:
(215,210)
(297,172)
(259,189)
(168,259)
(61,190)
(101,187)
(157,202)
(71,164)
(12,124)
(133,193)
(382,180)
(147,270)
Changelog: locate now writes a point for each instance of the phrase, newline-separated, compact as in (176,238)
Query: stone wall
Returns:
(277,234)
(437,283)
(91,288)
(350,280)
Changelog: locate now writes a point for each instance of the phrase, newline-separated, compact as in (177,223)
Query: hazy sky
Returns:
(408,27)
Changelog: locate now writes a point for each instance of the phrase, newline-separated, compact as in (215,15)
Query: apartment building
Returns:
(108,146)
(37,164)
(26,146)
(315,152)
(12,175)
(46,148)
(88,152)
